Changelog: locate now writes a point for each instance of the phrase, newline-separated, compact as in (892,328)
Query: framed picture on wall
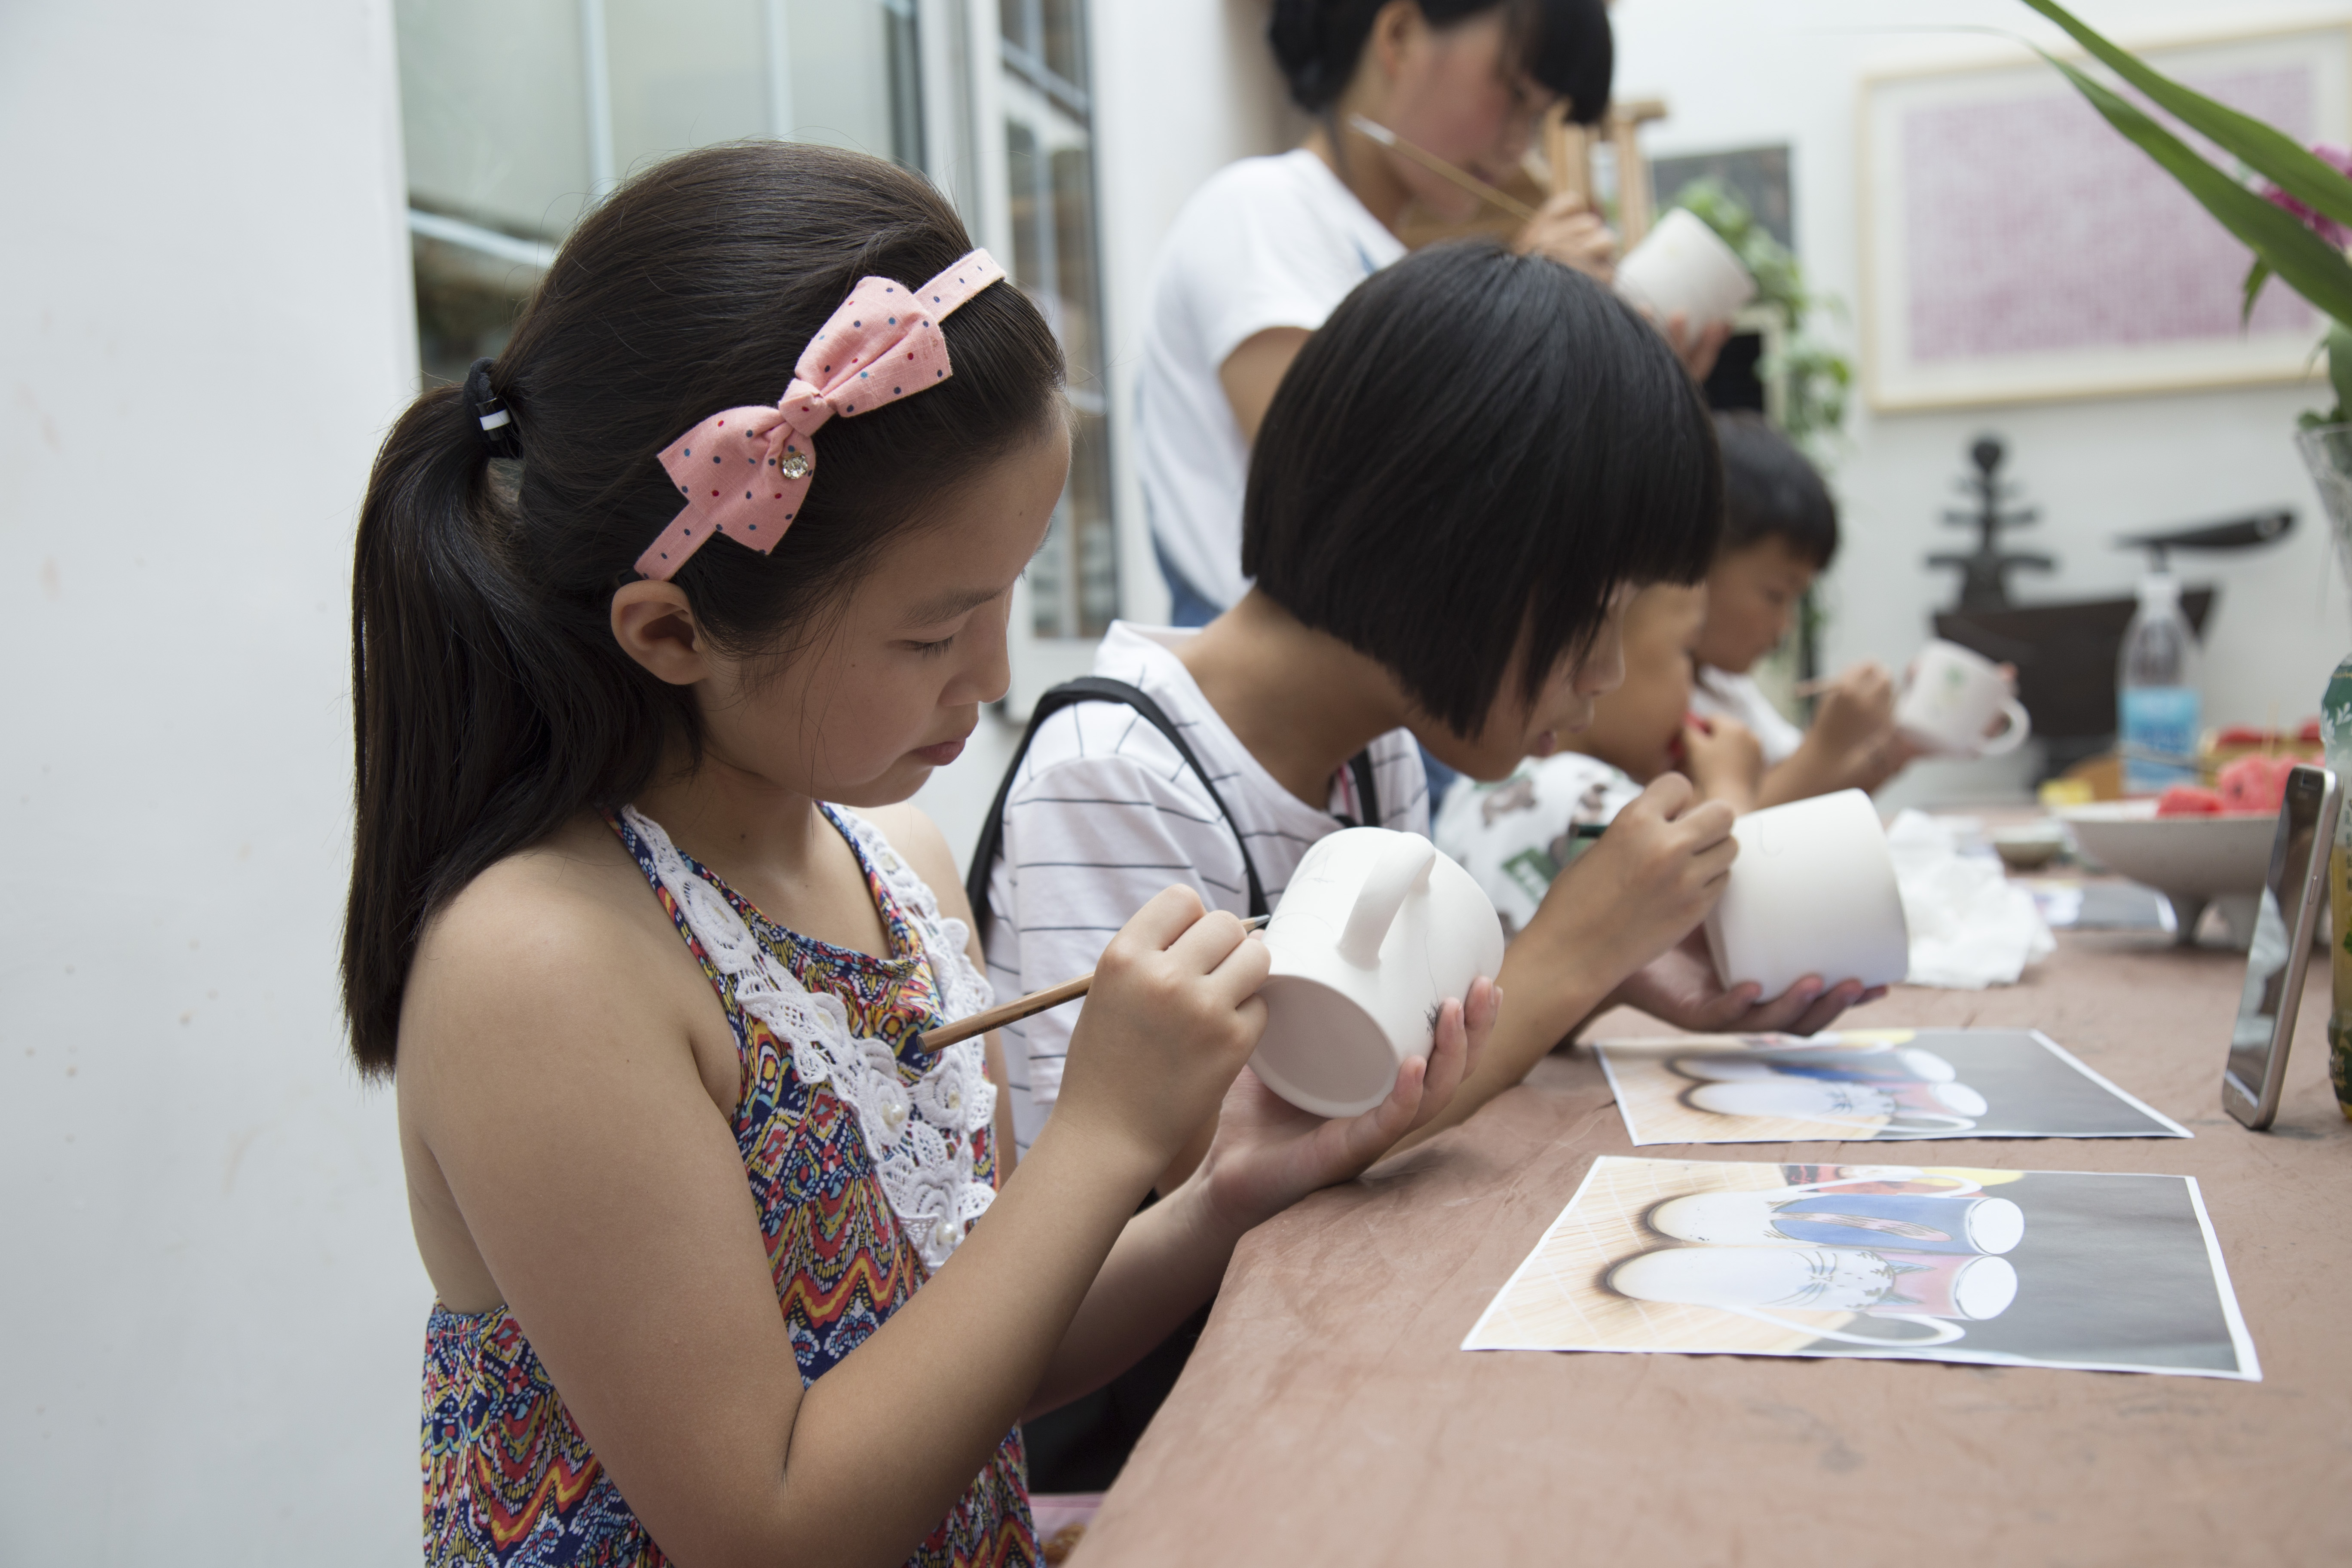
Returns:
(2016,248)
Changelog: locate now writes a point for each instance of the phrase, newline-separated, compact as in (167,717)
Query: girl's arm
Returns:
(1266,1154)
(547,1054)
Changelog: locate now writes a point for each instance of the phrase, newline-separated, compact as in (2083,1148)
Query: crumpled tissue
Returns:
(1970,926)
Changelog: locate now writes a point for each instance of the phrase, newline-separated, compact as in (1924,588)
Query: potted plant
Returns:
(2291,206)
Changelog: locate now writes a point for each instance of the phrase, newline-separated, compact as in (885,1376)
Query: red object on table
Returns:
(2189,800)
(2255,784)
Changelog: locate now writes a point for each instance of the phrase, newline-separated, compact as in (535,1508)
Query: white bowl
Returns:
(2192,860)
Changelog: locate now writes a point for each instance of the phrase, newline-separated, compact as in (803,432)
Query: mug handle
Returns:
(1939,1331)
(2018,730)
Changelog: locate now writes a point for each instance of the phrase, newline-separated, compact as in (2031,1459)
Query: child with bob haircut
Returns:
(1463,478)
(656,623)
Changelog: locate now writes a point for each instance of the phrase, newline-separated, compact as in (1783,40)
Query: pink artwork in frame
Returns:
(2018,247)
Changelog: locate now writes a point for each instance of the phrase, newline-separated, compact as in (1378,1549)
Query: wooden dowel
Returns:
(1021,1007)
(1443,170)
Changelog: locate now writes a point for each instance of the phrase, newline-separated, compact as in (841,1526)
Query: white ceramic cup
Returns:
(1812,892)
(1951,697)
(1683,267)
(1375,931)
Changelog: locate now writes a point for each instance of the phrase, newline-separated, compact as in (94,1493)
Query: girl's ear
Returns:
(655,625)
(1395,30)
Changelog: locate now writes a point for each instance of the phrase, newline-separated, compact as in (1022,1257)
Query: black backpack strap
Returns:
(1095,688)
(1367,792)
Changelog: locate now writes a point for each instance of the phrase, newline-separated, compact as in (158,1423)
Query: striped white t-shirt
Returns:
(1104,813)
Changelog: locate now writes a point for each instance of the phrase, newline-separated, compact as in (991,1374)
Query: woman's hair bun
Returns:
(1315,43)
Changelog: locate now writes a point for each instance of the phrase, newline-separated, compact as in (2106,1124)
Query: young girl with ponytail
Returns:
(654,624)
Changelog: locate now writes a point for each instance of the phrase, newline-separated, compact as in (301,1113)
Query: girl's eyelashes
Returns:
(926,649)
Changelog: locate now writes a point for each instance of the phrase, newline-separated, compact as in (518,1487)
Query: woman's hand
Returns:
(1680,988)
(1172,1015)
(1268,1153)
(1724,760)
(1697,346)
(1566,229)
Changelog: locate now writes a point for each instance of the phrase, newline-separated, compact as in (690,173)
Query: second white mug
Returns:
(1812,892)
(1952,697)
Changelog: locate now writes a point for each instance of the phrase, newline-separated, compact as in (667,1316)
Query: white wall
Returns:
(214,1312)
(1740,72)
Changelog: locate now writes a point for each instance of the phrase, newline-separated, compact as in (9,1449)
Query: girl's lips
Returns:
(943,753)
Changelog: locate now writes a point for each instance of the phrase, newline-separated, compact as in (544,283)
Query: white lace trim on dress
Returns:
(919,1134)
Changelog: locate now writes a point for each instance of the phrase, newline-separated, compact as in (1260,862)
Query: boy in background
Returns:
(1780,532)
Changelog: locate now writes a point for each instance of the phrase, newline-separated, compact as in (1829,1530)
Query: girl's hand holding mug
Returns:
(1172,1018)
(1268,1153)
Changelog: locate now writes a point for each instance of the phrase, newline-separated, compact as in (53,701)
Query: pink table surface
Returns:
(1328,1418)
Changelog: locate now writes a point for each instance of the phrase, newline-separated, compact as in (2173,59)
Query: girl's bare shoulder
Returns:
(564,932)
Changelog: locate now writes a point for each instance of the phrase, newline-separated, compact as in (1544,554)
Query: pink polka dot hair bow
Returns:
(744,471)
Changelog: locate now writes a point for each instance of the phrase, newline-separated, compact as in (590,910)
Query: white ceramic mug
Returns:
(1375,931)
(1812,892)
(1683,267)
(1951,697)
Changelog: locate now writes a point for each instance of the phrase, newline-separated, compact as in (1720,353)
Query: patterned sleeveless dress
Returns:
(866,1161)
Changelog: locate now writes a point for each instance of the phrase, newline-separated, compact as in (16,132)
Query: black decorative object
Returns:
(1984,570)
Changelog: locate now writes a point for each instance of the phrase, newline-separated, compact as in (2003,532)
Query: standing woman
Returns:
(1264,250)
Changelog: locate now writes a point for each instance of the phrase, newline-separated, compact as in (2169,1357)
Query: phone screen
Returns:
(2254,1036)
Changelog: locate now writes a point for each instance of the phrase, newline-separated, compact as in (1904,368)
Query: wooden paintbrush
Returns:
(1441,169)
(1021,1007)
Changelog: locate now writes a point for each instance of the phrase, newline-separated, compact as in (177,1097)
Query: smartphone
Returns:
(2292,898)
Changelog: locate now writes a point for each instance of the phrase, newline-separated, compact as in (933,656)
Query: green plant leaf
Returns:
(2256,276)
(2339,366)
(2301,260)
(2265,150)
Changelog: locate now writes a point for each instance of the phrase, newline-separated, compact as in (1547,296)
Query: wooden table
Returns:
(1328,1418)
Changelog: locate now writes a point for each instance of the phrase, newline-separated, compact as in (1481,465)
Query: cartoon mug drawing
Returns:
(1885,1108)
(1915,1222)
(1929,1289)
(1847,1064)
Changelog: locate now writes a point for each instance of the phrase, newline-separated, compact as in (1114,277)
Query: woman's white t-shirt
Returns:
(1267,242)
(1104,813)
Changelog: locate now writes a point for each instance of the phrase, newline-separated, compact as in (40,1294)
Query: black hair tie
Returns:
(497,426)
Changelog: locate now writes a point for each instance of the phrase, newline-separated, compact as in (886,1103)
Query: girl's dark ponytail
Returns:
(492,702)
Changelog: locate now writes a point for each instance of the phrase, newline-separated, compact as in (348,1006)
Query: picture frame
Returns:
(2016,249)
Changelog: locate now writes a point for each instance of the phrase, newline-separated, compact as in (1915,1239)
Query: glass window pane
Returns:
(1050,189)
(683,74)
(1065,41)
(843,75)
(494,112)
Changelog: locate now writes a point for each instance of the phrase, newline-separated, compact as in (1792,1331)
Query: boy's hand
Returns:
(1172,1016)
(1642,886)
(1856,712)
(1268,1153)
(1724,760)
(1680,988)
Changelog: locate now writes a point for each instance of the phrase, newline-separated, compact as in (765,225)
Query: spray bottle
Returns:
(2157,686)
